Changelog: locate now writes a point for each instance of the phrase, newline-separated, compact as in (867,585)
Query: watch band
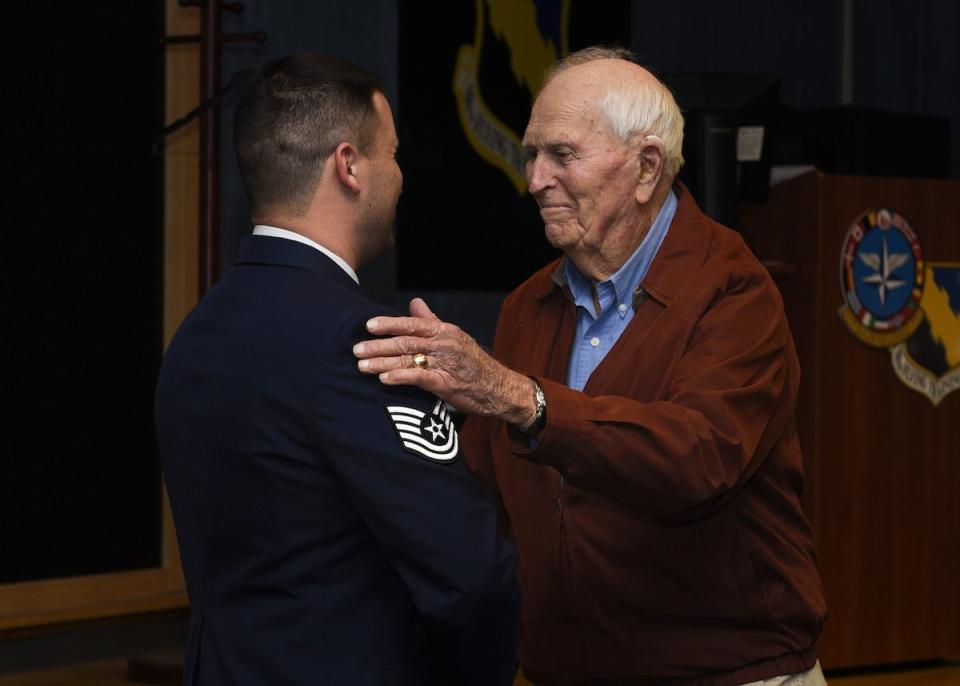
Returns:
(539,418)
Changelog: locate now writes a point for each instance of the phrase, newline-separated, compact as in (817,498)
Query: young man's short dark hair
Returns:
(291,117)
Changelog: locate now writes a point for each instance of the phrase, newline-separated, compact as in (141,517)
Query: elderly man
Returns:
(639,424)
(329,532)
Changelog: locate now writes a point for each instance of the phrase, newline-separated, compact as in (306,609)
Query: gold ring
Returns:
(420,360)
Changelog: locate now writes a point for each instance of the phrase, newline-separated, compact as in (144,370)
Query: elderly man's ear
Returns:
(651,169)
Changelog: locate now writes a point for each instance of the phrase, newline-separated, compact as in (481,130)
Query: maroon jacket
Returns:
(658,520)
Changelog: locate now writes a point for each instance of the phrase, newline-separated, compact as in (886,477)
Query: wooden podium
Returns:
(882,461)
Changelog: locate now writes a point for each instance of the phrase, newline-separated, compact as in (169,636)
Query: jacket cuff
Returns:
(559,441)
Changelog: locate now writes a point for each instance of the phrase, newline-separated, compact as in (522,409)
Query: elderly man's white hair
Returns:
(635,108)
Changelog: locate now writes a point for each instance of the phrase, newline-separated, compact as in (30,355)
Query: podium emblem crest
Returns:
(894,299)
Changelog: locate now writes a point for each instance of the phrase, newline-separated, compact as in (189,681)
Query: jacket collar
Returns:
(268,250)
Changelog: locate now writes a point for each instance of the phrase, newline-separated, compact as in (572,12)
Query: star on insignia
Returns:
(883,266)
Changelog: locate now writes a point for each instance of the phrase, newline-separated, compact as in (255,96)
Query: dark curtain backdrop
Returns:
(81,281)
(905,59)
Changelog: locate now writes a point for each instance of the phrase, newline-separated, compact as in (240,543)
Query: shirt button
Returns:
(594,341)
(622,308)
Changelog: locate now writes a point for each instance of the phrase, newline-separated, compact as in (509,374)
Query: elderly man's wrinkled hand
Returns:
(455,368)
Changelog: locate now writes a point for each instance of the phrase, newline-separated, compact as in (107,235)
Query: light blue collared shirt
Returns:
(597,333)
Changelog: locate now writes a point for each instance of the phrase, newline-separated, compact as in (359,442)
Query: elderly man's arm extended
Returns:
(459,370)
(730,399)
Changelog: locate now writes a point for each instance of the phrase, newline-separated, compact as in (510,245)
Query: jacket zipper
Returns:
(560,556)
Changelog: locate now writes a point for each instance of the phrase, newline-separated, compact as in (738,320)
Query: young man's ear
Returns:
(652,156)
(346,161)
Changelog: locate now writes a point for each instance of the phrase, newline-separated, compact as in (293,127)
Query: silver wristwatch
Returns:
(540,416)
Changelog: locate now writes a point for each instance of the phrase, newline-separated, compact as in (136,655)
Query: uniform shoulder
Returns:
(354,310)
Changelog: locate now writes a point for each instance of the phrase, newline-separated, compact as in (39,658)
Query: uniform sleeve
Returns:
(731,398)
(399,459)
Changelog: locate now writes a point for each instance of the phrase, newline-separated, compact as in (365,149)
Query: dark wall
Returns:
(798,39)
(904,59)
(904,53)
(81,287)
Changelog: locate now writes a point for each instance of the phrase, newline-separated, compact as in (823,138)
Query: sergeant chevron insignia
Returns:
(430,435)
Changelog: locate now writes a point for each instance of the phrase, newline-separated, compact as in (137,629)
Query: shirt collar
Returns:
(273,231)
(625,280)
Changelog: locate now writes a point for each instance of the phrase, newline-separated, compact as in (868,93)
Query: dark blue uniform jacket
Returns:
(328,530)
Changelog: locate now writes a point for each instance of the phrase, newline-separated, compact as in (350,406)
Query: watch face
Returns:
(541,399)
